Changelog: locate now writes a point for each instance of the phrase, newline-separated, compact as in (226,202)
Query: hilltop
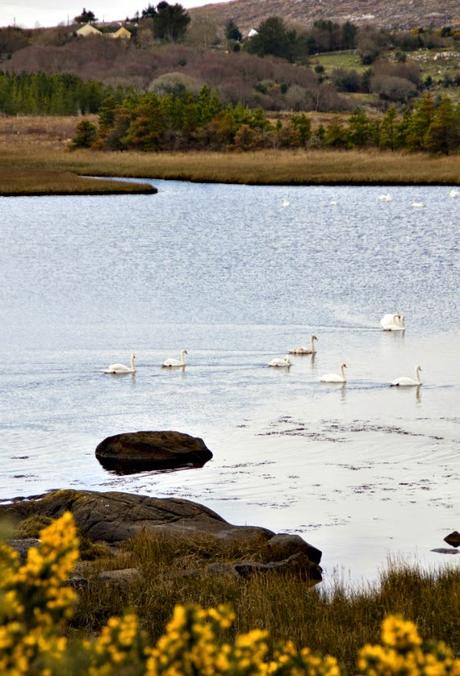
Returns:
(399,14)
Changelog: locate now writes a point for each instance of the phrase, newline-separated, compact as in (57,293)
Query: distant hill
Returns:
(385,13)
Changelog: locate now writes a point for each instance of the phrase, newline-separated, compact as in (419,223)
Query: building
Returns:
(87,30)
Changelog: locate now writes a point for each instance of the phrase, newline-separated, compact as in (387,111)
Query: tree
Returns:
(348,37)
(170,22)
(443,134)
(419,122)
(232,32)
(85,136)
(388,130)
(273,38)
(149,12)
(86,17)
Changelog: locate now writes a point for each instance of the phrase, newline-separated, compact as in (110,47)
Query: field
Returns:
(34,159)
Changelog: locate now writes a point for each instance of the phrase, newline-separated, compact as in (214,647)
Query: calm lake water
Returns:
(364,472)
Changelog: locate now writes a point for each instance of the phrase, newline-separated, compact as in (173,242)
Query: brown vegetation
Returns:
(34,158)
(175,571)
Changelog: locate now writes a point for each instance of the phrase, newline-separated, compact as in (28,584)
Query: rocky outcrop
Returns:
(139,451)
(114,517)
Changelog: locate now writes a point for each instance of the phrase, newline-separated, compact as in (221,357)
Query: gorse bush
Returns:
(202,121)
(36,603)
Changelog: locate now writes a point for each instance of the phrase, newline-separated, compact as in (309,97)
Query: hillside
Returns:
(395,14)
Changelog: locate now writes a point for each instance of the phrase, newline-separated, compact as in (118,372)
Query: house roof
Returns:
(88,29)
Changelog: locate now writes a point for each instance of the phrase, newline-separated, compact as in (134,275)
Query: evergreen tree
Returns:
(273,38)
(149,12)
(85,17)
(232,32)
(388,130)
(359,129)
(348,37)
(443,134)
(170,22)
(419,123)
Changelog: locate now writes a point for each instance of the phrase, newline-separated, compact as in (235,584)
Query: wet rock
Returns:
(453,539)
(140,451)
(444,550)
(23,545)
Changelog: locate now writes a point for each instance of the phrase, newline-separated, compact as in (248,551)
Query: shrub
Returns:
(36,603)
(85,135)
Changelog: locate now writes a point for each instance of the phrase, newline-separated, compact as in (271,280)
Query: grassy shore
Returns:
(34,159)
(338,623)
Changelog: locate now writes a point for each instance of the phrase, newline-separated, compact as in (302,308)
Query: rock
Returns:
(139,451)
(221,569)
(114,517)
(298,565)
(23,545)
(453,539)
(123,577)
(283,545)
(444,550)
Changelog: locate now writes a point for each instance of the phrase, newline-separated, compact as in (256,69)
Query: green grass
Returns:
(338,623)
(348,60)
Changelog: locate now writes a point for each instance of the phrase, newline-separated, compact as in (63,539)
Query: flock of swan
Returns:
(386,197)
(389,322)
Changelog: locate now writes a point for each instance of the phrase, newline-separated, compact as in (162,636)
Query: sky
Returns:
(32,13)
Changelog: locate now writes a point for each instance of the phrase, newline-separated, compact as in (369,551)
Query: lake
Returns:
(365,472)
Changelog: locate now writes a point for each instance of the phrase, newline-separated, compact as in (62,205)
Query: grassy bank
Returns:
(34,158)
(337,623)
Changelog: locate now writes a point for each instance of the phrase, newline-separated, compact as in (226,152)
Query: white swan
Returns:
(335,377)
(408,382)
(333,202)
(118,369)
(175,363)
(285,203)
(454,192)
(280,362)
(300,349)
(418,205)
(385,198)
(393,322)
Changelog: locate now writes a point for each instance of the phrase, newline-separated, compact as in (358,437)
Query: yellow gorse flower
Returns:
(36,601)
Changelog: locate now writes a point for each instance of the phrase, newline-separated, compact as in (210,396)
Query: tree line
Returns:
(59,94)
(153,122)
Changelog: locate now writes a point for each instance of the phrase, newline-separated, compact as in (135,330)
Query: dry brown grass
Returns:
(337,623)
(34,158)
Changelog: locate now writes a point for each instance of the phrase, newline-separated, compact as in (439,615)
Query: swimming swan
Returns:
(385,198)
(418,205)
(285,203)
(175,363)
(408,382)
(280,362)
(393,322)
(334,377)
(454,192)
(118,369)
(305,350)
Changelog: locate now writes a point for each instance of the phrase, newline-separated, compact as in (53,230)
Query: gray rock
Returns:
(139,451)
(123,577)
(284,545)
(444,550)
(114,517)
(298,565)
(23,545)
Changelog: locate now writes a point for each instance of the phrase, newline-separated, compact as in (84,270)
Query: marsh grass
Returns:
(337,622)
(34,159)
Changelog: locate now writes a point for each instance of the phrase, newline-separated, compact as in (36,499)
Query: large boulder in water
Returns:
(139,451)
